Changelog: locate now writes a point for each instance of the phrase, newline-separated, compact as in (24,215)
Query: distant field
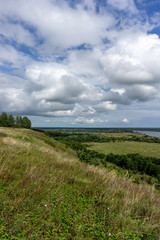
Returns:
(122,134)
(99,132)
(143,148)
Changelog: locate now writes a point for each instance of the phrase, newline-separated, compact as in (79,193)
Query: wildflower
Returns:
(45,205)
(109,234)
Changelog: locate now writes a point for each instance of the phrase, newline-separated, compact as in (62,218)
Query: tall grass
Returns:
(46,193)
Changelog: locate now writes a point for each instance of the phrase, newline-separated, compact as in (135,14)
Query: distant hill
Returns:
(47,193)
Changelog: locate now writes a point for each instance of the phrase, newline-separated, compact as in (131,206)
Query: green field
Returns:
(143,148)
(122,134)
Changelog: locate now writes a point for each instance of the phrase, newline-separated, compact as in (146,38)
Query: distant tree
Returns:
(0,121)
(21,122)
(11,121)
(26,122)
(17,121)
(4,119)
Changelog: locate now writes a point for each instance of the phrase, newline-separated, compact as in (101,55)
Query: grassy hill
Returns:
(47,193)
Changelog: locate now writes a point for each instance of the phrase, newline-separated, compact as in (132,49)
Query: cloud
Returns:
(66,90)
(133,60)
(84,60)
(141,92)
(55,82)
(17,33)
(61,26)
(120,91)
(105,106)
(9,55)
(86,63)
(11,92)
(125,120)
(84,120)
(127,5)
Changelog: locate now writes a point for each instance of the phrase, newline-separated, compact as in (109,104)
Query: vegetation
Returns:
(101,137)
(46,193)
(134,160)
(10,121)
(121,148)
(85,155)
(137,163)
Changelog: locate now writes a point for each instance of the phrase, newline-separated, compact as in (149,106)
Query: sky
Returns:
(81,63)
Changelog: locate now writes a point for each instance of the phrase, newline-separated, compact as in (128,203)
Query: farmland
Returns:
(126,147)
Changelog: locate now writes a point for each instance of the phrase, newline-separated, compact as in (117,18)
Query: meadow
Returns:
(48,193)
(126,147)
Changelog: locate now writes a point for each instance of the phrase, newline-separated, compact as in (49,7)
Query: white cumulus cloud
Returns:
(81,60)
(125,120)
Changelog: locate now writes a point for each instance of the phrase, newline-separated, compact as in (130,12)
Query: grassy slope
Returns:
(46,193)
(145,149)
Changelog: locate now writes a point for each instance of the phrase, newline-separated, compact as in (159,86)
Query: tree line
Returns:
(136,163)
(87,137)
(18,121)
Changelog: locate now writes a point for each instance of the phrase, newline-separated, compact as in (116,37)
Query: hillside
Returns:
(47,193)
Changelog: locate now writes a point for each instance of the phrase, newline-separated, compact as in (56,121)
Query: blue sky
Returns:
(81,63)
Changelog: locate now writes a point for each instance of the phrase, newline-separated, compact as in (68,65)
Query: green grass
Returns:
(145,149)
(46,193)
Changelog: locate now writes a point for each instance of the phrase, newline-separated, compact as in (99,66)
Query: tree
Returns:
(11,121)
(26,122)
(4,120)
(17,121)
(21,122)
